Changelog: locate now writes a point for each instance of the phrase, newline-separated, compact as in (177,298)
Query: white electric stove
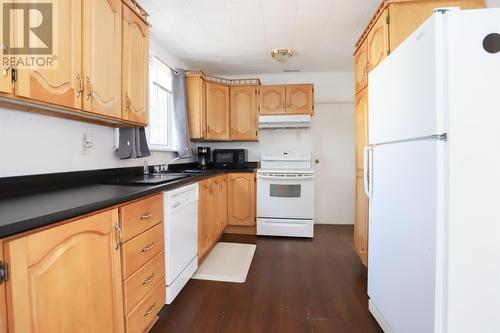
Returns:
(285,195)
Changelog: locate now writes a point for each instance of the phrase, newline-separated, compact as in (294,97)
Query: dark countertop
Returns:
(27,211)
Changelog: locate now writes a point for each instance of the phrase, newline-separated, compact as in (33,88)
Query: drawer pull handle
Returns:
(149,279)
(150,310)
(148,247)
(146,216)
(118,236)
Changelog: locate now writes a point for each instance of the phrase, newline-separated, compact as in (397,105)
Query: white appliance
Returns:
(286,121)
(181,237)
(285,195)
(433,178)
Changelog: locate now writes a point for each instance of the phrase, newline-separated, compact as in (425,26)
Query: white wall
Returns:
(331,139)
(34,144)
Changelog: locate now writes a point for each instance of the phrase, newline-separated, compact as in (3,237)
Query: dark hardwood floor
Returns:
(294,285)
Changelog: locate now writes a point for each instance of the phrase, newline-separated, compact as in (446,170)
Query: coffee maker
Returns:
(204,154)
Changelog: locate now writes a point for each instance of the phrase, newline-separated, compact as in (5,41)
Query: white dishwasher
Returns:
(181,237)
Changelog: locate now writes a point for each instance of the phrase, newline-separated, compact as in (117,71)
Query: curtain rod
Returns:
(163,62)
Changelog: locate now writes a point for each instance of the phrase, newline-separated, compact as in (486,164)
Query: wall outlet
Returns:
(87,144)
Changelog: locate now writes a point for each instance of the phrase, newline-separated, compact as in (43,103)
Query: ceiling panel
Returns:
(237,36)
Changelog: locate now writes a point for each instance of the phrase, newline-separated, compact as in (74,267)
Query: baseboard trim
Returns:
(241,230)
(378,317)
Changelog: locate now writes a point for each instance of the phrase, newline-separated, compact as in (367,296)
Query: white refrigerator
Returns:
(432,175)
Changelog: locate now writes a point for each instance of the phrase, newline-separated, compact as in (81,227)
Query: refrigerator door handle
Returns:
(367,172)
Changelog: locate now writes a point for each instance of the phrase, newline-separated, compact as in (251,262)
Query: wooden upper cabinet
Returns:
(217,112)
(243,113)
(407,16)
(3,299)
(66,278)
(6,85)
(377,41)
(361,120)
(360,67)
(272,100)
(299,98)
(196,103)
(241,199)
(102,23)
(62,85)
(135,34)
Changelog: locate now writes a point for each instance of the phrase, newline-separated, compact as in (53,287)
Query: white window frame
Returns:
(170,147)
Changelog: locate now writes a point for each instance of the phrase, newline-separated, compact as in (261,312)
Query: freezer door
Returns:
(404,221)
(474,234)
(406,89)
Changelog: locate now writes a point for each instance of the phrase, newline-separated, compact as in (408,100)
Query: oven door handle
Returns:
(286,177)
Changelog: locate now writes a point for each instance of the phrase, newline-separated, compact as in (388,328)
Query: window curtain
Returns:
(133,143)
(180,125)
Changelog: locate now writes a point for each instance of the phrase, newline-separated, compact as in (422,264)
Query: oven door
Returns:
(285,195)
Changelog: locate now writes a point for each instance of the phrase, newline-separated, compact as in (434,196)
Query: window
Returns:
(159,131)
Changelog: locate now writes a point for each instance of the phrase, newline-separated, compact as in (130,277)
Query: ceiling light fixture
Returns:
(282,55)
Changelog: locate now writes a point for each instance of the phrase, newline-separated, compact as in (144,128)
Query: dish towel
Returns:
(133,143)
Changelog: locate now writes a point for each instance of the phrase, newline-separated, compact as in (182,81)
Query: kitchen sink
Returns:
(152,179)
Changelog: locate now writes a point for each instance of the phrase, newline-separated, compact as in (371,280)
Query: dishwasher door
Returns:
(181,230)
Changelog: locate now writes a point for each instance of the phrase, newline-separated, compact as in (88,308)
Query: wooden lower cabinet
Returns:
(66,278)
(204,217)
(3,299)
(143,316)
(213,217)
(241,199)
(361,224)
(143,262)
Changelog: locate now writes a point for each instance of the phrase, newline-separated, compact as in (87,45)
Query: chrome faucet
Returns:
(164,167)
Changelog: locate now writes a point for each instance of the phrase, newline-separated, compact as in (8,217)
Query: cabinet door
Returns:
(378,41)
(196,103)
(204,217)
(272,100)
(5,70)
(243,113)
(135,68)
(361,225)
(102,37)
(217,112)
(360,68)
(241,199)
(299,99)
(361,119)
(407,16)
(215,219)
(66,278)
(223,203)
(61,85)
(3,299)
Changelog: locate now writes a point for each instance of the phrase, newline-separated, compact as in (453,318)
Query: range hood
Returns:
(285,121)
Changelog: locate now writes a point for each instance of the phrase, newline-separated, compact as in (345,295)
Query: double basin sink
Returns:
(157,178)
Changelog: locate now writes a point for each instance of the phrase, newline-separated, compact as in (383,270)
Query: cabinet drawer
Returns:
(141,249)
(141,215)
(141,317)
(142,282)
